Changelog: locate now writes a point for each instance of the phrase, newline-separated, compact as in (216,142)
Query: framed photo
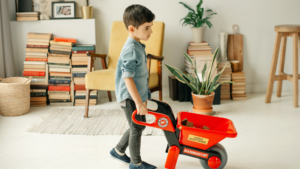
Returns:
(44,6)
(63,10)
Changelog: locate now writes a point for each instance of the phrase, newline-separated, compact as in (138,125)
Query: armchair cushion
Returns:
(105,80)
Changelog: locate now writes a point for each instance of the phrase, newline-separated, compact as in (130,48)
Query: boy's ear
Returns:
(131,28)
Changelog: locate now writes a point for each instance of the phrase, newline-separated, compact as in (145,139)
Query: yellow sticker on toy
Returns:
(198,139)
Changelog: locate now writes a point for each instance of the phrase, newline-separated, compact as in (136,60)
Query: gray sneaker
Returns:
(123,158)
(144,165)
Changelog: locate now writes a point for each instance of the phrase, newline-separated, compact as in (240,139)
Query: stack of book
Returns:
(38,97)
(198,49)
(79,70)
(60,82)
(226,76)
(200,61)
(35,64)
(239,88)
(28,16)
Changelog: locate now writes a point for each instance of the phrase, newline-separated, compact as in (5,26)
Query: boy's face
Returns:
(143,32)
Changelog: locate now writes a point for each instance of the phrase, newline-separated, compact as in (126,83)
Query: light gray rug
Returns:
(100,122)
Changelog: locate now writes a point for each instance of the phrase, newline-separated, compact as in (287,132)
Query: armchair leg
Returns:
(160,95)
(109,96)
(87,100)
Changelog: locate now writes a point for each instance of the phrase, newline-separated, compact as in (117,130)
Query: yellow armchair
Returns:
(105,79)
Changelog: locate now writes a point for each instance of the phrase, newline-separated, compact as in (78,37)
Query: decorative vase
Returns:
(198,34)
(223,45)
(87,12)
(203,102)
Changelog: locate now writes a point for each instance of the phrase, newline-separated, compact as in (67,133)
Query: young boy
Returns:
(131,83)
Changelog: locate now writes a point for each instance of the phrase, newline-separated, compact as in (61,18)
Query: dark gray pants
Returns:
(132,136)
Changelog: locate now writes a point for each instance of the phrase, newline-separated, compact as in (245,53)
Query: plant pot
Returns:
(203,102)
(203,112)
(198,34)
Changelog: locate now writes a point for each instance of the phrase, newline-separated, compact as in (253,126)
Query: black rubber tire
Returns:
(219,149)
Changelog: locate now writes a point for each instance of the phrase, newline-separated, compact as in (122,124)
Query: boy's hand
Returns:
(141,109)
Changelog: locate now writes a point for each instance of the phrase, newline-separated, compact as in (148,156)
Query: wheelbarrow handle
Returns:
(162,121)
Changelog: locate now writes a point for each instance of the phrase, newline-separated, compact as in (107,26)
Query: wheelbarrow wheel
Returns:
(220,150)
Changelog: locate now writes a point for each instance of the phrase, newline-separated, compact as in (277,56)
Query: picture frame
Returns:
(63,10)
(44,6)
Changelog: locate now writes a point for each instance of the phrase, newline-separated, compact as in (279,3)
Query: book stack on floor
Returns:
(239,88)
(38,97)
(79,70)
(60,82)
(35,65)
(226,76)
(28,16)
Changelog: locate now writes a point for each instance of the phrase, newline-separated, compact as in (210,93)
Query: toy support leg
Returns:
(172,157)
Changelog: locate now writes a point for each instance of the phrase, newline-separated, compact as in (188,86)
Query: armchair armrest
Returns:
(103,56)
(91,60)
(150,56)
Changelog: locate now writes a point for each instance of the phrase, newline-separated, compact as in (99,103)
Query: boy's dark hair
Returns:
(137,15)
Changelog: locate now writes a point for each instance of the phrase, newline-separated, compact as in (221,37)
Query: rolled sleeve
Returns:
(129,63)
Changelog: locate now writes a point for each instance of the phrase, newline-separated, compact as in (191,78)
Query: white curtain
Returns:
(6,53)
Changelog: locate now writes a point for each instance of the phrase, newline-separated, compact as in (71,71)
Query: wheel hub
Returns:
(214,162)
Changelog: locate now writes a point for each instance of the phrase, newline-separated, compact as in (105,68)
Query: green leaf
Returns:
(216,86)
(199,5)
(188,58)
(200,22)
(186,6)
(212,63)
(203,72)
(208,23)
(216,79)
(180,76)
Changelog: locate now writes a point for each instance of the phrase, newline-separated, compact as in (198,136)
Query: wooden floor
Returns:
(268,138)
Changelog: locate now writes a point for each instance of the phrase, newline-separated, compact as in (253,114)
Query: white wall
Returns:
(256,19)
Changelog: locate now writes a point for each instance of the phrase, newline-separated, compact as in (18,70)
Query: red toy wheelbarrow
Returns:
(194,142)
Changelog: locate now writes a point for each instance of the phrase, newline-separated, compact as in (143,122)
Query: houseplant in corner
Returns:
(197,19)
(202,90)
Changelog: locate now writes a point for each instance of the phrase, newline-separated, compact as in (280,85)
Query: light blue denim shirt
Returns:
(132,63)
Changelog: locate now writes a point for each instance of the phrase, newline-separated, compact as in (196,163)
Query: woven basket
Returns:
(14,96)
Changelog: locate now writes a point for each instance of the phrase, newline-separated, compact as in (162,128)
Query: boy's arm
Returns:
(142,109)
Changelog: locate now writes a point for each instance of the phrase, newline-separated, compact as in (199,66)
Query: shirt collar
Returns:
(134,41)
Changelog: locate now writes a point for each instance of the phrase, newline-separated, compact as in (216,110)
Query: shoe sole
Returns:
(118,159)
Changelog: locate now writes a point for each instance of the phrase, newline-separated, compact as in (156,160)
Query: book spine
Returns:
(84,48)
(60,77)
(37,46)
(83,97)
(187,93)
(180,92)
(79,74)
(60,52)
(79,87)
(58,88)
(65,64)
(83,51)
(61,104)
(59,100)
(33,73)
(60,81)
(75,66)
(38,94)
(36,59)
(59,39)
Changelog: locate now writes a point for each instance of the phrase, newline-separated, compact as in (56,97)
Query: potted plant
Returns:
(197,19)
(202,90)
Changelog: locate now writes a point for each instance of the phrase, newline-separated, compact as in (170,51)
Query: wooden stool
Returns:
(282,32)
